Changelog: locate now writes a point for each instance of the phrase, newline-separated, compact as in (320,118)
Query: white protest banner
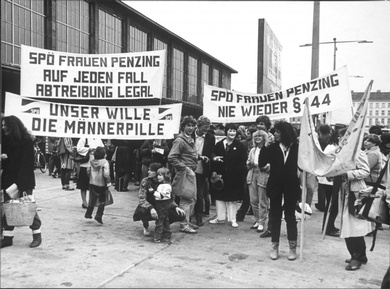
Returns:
(326,93)
(313,160)
(106,122)
(55,74)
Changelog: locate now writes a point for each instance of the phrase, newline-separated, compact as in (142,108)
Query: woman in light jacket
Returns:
(257,180)
(374,156)
(65,152)
(354,229)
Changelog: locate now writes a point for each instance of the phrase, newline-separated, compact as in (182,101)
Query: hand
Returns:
(153,212)
(180,211)
(4,156)
(218,159)
(204,158)
(108,185)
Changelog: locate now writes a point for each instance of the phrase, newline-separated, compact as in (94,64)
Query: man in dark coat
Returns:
(205,146)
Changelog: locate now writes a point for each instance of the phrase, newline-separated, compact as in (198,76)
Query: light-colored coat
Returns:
(250,163)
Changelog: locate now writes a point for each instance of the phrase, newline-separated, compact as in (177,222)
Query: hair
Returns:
(165,173)
(252,129)
(155,166)
(265,119)
(220,126)
(188,119)
(203,120)
(99,153)
(287,132)
(230,126)
(341,131)
(16,128)
(375,129)
(325,129)
(374,139)
(261,133)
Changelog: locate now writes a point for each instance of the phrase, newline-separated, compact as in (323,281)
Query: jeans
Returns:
(259,200)
(162,230)
(188,208)
(334,210)
(65,176)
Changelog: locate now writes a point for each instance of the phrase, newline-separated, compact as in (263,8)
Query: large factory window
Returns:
(192,80)
(216,77)
(72,26)
(110,33)
(22,23)
(138,40)
(159,45)
(177,74)
(205,75)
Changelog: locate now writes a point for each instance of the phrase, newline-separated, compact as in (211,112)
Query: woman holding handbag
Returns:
(17,160)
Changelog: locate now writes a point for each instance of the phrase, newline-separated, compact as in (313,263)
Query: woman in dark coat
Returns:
(283,186)
(230,161)
(17,160)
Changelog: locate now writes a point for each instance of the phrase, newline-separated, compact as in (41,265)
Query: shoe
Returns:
(37,240)
(87,216)
(99,219)
(216,221)
(206,214)
(84,207)
(333,234)
(199,221)
(354,265)
(157,240)
(147,232)
(319,208)
(193,226)
(67,188)
(234,224)
(136,183)
(7,241)
(260,228)
(266,234)
(274,251)
(166,240)
(188,229)
(362,260)
(255,225)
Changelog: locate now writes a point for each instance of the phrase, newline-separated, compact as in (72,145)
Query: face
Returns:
(278,135)
(368,144)
(258,138)
(160,178)
(231,133)
(203,129)
(4,127)
(261,125)
(189,128)
(151,174)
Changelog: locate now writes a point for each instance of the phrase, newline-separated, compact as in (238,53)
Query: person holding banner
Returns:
(17,161)
(354,229)
(229,162)
(283,185)
(184,159)
(85,146)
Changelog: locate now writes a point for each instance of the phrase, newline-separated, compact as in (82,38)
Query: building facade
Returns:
(102,27)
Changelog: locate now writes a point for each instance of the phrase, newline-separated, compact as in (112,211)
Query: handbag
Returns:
(78,158)
(184,184)
(20,212)
(375,209)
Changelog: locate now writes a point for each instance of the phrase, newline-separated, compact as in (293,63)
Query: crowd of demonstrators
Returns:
(250,163)
(229,162)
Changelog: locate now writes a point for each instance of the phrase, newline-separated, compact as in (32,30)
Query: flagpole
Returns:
(304,189)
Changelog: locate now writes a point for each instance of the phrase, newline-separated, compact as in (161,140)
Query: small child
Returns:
(164,198)
(99,180)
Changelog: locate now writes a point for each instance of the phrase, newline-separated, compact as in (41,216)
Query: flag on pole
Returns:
(313,160)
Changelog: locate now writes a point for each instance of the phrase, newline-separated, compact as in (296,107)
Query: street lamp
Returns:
(335,47)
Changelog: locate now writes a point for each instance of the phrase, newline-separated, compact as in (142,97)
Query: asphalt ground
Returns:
(81,253)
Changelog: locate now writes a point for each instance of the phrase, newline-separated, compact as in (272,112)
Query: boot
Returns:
(292,255)
(199,221)
(275,251)
(99,214)
(7,241)
(88,213)
(37,240)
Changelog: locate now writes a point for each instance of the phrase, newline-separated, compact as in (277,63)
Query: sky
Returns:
(228,30)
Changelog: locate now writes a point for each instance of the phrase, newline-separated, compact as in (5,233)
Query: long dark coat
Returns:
(232,170)
(18,168)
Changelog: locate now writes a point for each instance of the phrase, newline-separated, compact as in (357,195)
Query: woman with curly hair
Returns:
(283,186)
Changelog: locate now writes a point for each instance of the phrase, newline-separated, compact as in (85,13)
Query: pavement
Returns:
(81,253)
